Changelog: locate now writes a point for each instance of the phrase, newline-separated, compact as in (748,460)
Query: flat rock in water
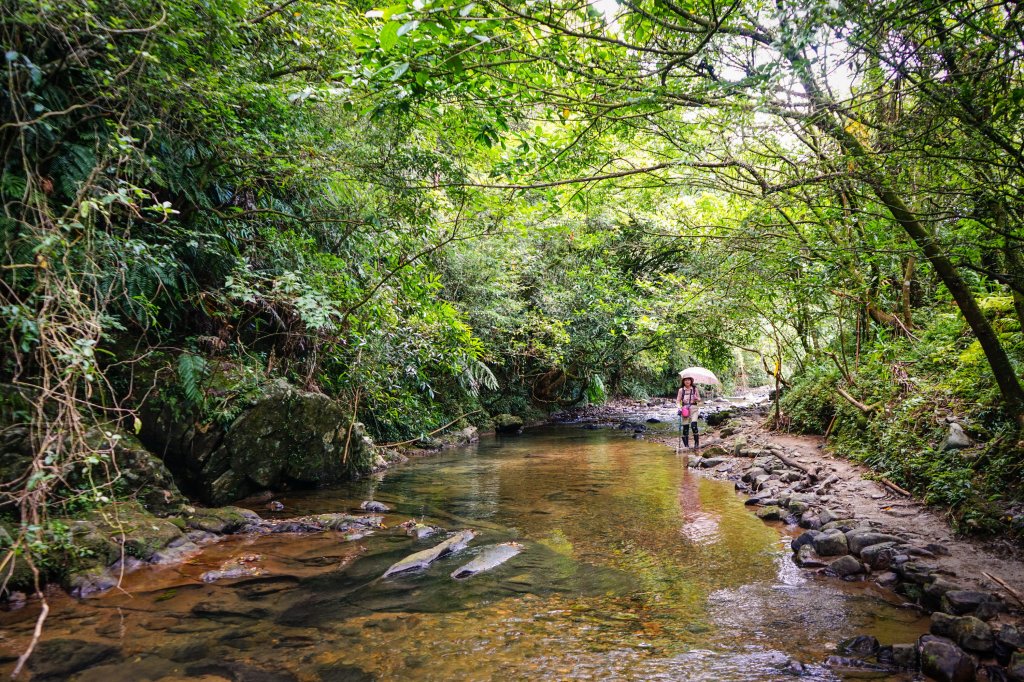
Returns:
(428,556)
(846,566)
(489,557)
(419,530)
(376,507)
(807,558)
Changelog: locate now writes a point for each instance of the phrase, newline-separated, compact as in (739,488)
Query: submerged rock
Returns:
(489,558)
(861,645)
(428,556)
(372,506)
(59,659)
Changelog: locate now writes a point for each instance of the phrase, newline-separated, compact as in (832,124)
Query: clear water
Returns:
(634,569)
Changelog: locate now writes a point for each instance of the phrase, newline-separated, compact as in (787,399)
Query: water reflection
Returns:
(633,568)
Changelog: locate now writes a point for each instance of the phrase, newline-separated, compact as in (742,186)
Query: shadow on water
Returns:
(632,568)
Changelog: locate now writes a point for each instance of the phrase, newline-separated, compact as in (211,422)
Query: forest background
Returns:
(437,212)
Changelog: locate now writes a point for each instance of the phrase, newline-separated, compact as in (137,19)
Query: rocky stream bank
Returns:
(852,526)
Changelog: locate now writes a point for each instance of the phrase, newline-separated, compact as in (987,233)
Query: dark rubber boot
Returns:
(686,440)
(696,441)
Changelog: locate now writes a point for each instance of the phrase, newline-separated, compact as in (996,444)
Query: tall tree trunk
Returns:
(998,360)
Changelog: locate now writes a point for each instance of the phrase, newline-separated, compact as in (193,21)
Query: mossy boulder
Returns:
(140,475)
(508,424)
(221,519)
(124,525)
(118,457)
(283,438)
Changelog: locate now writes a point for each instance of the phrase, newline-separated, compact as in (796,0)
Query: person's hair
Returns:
(682,381)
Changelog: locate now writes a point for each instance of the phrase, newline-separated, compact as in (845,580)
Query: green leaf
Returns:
(389,35)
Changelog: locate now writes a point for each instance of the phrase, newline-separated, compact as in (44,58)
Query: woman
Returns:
(686,399)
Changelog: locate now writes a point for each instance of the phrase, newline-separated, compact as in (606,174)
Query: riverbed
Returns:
(633,568)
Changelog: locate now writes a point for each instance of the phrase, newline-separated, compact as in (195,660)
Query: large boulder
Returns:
(963,602)
(973,634)
(508,424)
(285,438)
(117,457)
(845,567)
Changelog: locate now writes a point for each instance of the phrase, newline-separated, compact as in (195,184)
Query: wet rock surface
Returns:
(58,659)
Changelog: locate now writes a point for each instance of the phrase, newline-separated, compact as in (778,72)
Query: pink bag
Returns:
(686,411)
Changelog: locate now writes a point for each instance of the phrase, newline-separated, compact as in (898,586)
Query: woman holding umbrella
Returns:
(687,398)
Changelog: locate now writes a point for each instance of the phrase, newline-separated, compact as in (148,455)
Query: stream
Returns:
(633,568)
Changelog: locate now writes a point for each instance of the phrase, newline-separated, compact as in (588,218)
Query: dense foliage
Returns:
(430,210)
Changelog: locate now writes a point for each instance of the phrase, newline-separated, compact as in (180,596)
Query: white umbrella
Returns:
(699,375)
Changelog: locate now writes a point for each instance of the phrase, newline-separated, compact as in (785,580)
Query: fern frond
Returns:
(192,371)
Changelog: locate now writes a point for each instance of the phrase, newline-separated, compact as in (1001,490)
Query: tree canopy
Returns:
(434,209)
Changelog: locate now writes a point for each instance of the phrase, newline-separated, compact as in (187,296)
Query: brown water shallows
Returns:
(633,568)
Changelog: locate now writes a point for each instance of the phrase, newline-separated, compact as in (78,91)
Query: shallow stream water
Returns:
(633,568)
